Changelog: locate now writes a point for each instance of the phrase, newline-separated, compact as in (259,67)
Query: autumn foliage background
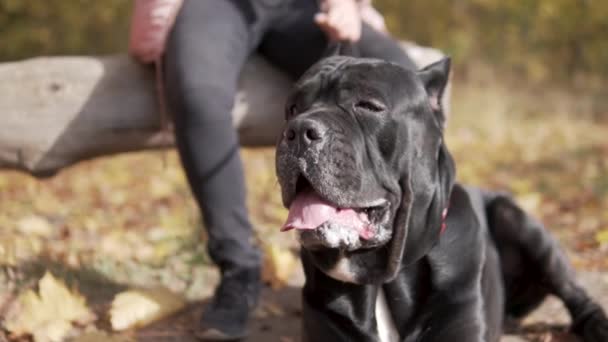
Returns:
(529,116)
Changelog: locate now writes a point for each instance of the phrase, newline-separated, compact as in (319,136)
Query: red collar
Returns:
(444,215)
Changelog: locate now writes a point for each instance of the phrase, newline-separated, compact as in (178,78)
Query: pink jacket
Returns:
(151,23)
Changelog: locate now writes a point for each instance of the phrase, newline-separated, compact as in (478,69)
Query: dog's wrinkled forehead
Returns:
(341,76)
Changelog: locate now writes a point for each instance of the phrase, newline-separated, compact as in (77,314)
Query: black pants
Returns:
(206,50)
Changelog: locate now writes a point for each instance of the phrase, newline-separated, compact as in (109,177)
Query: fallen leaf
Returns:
(160,188)
(117,197)
(15,248)
(602,237)
(136,308)
(46,203)
(35,225)
(50,314)
(530,201)
(113,244)
(279,265)
(4,181)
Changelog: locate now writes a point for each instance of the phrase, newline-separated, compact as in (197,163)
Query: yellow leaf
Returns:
(4,181)
(279,265)
(521,185)
(48,204)
(117,197)
(602,236)
(160,188)
(53,330)
(530,201)
(35,225)
(136,308)
(48,315)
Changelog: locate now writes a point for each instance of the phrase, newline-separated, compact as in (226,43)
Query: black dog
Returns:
(389,240)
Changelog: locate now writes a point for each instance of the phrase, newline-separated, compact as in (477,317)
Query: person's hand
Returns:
(372,17)
(340,20)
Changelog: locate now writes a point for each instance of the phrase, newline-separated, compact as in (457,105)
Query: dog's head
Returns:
(363,167)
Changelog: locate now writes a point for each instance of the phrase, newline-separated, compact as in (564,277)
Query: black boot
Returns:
(226,317)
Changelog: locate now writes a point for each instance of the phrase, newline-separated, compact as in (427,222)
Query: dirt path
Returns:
(277,319)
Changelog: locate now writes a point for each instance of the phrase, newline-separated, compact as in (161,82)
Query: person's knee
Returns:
(197,101)
(199,87)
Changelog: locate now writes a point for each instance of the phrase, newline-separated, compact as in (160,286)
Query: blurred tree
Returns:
(51,27)
(538,39)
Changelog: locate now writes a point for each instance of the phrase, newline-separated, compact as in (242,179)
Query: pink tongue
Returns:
(309,211)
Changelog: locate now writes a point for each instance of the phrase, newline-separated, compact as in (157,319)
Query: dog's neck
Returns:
(444,215)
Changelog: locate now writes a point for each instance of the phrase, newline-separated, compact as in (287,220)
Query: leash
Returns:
(151,23)
(444,225)
(165,126)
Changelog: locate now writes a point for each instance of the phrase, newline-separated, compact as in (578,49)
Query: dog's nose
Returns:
(304,132)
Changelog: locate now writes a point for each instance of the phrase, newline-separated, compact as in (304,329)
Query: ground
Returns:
(112,224)
(278,318)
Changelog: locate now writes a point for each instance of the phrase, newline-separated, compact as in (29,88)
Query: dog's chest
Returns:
(387,332)
(342,271)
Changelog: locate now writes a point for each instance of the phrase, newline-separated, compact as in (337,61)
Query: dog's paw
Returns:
(593,327)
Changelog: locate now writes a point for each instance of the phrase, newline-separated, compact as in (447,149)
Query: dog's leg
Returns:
(534,266)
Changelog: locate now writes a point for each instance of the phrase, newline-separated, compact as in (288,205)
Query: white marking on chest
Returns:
(342,271)
(387,332)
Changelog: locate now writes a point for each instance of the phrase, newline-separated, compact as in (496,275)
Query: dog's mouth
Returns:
(321,223)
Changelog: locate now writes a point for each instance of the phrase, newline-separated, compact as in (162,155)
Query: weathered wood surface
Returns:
(57,111)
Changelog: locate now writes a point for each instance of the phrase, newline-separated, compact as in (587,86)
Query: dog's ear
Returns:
(419,218)
(435,78)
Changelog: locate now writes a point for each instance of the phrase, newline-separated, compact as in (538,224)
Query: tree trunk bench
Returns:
(57,111)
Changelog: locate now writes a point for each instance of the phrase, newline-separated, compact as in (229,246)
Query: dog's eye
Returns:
(370,105)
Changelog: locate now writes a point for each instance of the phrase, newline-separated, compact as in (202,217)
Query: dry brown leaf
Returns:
(50,314)
(136,308)
(279,265)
